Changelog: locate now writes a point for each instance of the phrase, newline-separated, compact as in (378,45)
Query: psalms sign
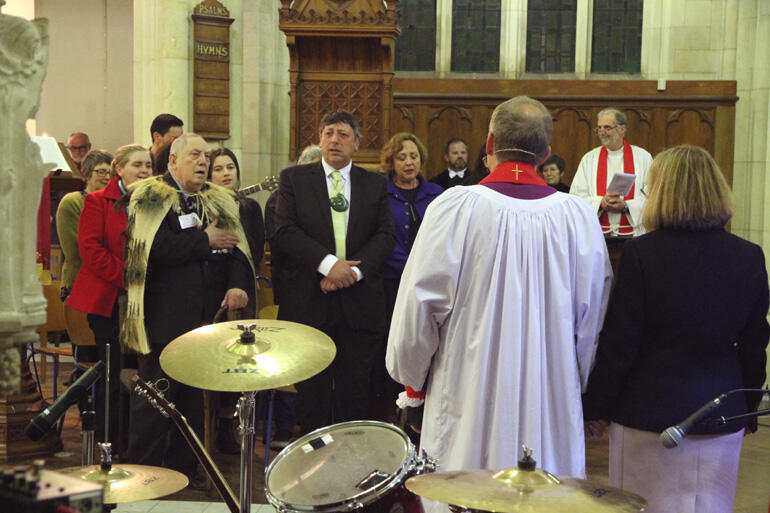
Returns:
(211,77)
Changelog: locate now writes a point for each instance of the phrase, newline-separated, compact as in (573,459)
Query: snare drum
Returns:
(360,464)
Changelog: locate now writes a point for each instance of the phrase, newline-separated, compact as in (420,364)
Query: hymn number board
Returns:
(211,76)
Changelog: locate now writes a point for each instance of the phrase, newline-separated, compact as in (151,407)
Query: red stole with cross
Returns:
(514,172)
(625,227)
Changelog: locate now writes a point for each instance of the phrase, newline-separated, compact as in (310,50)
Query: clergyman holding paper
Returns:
(612,176)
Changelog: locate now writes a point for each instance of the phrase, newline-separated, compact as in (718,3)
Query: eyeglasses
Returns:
(102,172)
(605,128)
(79,148)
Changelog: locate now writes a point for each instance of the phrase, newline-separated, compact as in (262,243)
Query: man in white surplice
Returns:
(499,309)
(618,215)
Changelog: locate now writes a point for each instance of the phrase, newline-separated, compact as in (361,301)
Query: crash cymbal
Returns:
(261,355)
(522,491)
(130,483)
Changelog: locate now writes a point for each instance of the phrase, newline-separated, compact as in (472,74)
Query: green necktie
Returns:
(338,217)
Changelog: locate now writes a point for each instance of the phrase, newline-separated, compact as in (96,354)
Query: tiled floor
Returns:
(753,491)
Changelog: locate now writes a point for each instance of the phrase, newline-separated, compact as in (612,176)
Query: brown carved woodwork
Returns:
(211,70)
(341,57)
(700,113)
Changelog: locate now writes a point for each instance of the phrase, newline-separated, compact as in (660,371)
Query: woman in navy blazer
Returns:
(100,280)
(686,322)
(409,195)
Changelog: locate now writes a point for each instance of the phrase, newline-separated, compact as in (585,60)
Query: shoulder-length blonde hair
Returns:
(395,145)
(687,191)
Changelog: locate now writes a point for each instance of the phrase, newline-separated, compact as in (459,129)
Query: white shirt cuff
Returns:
(326,264)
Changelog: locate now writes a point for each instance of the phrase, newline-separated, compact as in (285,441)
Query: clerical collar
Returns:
(461,174)
(329,169)
(514,172)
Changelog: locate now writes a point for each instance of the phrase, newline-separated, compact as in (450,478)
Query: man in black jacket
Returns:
(457,172)
(335,227)
(194,266)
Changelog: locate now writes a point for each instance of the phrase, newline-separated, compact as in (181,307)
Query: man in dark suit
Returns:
(192,269)
(457,172)
(335,226)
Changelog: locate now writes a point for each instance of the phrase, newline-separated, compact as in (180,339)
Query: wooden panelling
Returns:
(700,113)
(341,57)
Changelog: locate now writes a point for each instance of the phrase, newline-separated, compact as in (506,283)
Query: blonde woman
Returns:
(686,322)
(101,244)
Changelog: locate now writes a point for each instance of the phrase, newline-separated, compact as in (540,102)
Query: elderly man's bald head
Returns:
(522,129)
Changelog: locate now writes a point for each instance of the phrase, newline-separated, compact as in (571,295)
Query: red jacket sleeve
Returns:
(92,243)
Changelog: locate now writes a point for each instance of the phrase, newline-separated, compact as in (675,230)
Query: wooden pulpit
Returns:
(341,57)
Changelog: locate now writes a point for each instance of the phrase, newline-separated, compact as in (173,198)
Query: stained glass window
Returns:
(476,35)
(616,45)
(551,35)
(416,46)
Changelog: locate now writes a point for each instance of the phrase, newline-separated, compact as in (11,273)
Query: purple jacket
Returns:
(426,192)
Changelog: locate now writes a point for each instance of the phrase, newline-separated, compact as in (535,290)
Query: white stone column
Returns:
(513,37)
(162,63)
(584,18)
(266,103)
(443,38)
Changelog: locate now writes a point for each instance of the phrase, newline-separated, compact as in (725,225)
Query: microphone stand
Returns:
(721,421)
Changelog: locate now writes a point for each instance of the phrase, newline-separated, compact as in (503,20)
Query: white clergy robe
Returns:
(497,319)
(584,184)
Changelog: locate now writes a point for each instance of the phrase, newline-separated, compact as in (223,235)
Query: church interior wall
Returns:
(88,87)
(115,64)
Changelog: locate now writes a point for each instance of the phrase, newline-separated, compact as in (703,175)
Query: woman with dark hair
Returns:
(402,159)
(96,169)
(225,172)
(686,322)
(99,283)
(552,170)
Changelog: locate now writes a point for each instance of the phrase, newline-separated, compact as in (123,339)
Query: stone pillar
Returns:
(23,63)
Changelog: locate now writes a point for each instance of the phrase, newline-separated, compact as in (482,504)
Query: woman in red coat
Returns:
(100,280)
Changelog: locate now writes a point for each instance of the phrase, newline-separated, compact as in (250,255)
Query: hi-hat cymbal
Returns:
(130,483)
(221,357)
(522,491)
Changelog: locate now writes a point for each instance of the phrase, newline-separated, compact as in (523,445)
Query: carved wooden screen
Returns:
(341,57)
(700,113)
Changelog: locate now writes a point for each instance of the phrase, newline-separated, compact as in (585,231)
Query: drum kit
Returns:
(363,464)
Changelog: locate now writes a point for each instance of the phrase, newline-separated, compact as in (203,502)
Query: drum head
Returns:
(351,461)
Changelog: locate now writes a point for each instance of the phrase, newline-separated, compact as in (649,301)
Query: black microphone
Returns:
(671,437)
(41,424)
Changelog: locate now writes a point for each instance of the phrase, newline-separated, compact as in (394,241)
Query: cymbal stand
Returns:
(246,411)
(87,425)
(107,393)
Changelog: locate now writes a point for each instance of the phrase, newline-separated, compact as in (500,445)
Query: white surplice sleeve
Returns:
(593,281)
(642,161)
(428,289)
(584,182)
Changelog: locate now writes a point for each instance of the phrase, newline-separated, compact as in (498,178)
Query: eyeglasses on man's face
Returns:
(605,128)
(102,172)
(79,148)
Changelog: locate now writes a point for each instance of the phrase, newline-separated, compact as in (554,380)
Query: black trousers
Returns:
(341,392)
(106,332)
(154,439)
(385,389)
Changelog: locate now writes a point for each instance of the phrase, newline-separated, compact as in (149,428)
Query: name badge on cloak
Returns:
(190,221)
